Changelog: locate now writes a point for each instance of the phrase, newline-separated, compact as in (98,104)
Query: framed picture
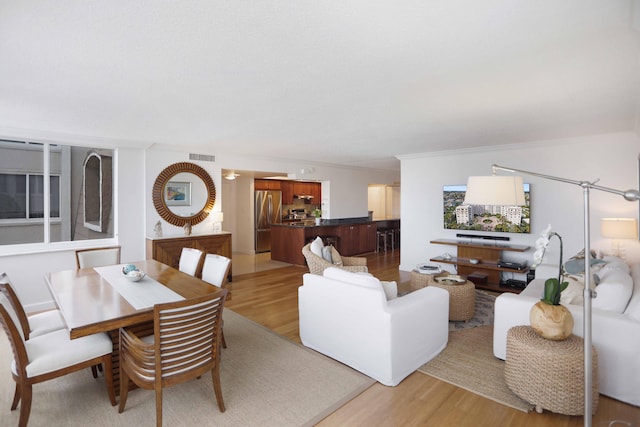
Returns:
(177,193)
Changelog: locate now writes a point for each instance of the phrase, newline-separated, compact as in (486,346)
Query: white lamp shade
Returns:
(619,228)
(495,190)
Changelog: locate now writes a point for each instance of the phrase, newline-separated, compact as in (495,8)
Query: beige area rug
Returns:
(267,380)
(468,362)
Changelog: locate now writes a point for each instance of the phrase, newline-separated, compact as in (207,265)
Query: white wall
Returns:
(613,158)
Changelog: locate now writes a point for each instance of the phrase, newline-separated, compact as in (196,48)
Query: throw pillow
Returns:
(614,291)
(316,246)
(326,254)
(390,289)
(573,293)
(575,264)
(335,256)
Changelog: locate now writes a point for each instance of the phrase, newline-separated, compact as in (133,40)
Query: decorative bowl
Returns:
(429,269)
(135,275)
(128,268)
(450,280)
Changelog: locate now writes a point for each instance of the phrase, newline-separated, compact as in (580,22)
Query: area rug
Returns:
(483,312)
(266,380)
(468,362)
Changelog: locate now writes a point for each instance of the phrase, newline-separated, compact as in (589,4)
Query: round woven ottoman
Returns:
(548,374)
(420,280)
(462,299)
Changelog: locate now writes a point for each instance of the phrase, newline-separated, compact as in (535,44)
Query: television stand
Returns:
(488,254)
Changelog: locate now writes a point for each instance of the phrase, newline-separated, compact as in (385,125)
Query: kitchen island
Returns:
(354,236)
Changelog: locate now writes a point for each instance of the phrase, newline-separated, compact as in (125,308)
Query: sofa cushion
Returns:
(633,308)
(316,246)
(361,279)
(614,290)
(573,294)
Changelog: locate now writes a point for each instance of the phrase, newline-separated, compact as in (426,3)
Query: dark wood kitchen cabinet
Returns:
(287,192)
(266,184)
(357,238)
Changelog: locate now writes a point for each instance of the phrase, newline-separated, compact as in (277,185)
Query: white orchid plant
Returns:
(552,287)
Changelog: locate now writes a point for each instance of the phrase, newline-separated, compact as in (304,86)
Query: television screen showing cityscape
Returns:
(506,219)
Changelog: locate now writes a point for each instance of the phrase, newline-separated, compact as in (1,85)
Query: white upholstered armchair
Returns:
(347,317)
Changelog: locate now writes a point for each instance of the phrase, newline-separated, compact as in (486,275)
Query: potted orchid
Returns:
(548,317)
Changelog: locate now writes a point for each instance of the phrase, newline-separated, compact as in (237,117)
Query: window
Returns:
(32,212)
(22,196)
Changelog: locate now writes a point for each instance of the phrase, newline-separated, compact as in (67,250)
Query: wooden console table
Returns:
(488,254)
(167,250)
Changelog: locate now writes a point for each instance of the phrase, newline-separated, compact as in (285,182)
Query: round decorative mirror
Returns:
(184,193)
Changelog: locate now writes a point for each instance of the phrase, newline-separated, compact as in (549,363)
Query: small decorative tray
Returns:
(428,269)
(450,280)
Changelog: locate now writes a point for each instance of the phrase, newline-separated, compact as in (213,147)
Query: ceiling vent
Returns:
(203,157)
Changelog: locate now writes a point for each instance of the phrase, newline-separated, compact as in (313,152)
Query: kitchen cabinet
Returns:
(357,239)
(167,250)
(287,192)
(266,184)
(488,256)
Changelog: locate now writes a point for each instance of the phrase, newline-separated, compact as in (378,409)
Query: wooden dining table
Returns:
(90,303)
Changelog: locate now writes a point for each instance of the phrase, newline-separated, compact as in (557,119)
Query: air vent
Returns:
(203,157)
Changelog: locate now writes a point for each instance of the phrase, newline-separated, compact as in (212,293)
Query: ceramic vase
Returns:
(553,322)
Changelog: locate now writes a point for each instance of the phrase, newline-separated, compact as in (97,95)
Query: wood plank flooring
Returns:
(271,299)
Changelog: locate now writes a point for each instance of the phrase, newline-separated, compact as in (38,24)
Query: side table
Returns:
(548,374)
(462,296)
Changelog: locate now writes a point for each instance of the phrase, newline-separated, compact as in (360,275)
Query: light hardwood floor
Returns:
(270,298)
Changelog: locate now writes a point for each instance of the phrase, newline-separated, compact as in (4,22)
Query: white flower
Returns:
(541,246)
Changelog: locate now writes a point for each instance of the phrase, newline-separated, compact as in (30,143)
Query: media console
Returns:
(488,255)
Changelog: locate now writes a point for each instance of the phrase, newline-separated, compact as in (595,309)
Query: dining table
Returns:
(102,300)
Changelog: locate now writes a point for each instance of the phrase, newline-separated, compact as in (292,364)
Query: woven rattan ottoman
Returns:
(548,374)
(462,298)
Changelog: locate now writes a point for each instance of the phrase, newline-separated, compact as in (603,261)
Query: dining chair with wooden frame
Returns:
(50,356)
(185,345)
(32,325)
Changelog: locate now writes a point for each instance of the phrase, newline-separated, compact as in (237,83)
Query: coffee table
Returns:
(462,296)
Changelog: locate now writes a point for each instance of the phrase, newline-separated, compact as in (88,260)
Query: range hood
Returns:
(302,196)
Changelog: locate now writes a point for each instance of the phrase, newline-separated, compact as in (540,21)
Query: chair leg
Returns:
(108,378)
(224,342)
(94,371)
(158,404)
(124,389)
(215,377)
(16,397)
(25,406)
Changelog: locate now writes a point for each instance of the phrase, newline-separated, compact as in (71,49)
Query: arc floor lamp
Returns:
(508,190)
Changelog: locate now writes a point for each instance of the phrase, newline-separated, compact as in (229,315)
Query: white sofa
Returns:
(615,327)
(347,317)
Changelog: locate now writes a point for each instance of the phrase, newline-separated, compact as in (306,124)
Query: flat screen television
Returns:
(500,219)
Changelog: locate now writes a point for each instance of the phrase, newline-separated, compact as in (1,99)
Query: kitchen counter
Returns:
(354,236)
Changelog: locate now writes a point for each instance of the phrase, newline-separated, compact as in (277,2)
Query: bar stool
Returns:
(381,237)
(331,240)
(391,238)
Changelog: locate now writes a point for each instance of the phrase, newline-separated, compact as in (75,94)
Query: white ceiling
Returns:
(336,81)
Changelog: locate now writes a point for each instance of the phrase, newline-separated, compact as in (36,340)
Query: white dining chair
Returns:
(215,271)
(190,260)
(49,356)
(97,257)
(32,325)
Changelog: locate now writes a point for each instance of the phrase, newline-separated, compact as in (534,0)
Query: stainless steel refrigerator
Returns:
(268,210)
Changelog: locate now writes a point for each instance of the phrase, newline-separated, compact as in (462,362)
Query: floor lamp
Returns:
(496,190)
